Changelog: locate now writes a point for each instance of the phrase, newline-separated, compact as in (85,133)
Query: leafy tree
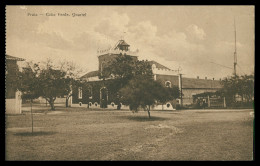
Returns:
(121,67)
(28,83)
(247,87)
(48,81)
(144,92)
(238,85)
(121,70)
(125,67)
(72,73)
(132,82)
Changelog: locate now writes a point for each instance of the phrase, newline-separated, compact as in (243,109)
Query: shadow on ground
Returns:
(36,133)
(144,118)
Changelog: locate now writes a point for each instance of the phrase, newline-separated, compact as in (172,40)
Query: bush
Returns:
(178,106)
(240,104)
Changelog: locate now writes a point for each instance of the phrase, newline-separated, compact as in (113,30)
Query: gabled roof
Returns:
(200,83)
(158,65)
(91,74)
(13,58)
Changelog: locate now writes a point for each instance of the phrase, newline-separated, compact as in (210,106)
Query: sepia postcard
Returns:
(123,83)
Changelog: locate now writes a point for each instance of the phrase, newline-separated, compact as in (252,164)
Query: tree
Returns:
(72,73)
(238,85)
(144,92)
(49,81)
(247,87)
(28,84)
(121,70)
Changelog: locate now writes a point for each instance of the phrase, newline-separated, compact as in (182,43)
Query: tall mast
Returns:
(235,53)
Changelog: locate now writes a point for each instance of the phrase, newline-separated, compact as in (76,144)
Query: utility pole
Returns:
(235,53)
(180,89)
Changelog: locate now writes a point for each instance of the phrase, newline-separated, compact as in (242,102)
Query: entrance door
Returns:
(103,97)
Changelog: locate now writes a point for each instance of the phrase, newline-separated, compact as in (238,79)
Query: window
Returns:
(80,92)
(168,84)
(90,91)
(113,104)
(168,105)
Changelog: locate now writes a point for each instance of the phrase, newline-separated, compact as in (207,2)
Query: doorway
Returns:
(103,97)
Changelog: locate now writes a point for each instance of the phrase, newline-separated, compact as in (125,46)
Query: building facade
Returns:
(95,94)
(13,100)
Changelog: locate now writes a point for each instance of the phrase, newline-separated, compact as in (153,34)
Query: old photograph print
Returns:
(123,83)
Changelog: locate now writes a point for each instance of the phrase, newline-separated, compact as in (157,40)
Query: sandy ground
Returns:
(81,134)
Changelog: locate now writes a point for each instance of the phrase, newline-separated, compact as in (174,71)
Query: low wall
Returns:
(13,106)
(167,106)
(55,104)
(58,102)
(96,105)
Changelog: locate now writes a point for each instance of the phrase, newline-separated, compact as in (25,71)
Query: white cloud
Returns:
(113,25)
(143,32)
(196,32)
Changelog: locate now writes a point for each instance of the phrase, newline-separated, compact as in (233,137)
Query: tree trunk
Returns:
(148,110)
(67,102)
(52,106)
(51,102)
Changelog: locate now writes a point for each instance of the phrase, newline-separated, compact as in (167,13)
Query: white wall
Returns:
(14,106)
(163,107)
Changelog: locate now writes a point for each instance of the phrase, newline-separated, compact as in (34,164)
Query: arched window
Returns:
(168,84)
(80,93)
(168,105)
(90,91)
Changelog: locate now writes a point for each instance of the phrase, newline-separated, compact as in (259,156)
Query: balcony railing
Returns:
(111,51)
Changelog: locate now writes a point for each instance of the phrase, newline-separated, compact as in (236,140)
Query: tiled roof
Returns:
(200,83)
(158,65)
(91,74)
(13,58)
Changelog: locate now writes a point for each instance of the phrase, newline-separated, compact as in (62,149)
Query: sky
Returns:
(200,40)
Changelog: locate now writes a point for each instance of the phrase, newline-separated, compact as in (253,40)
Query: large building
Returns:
(95,94)
(13,101)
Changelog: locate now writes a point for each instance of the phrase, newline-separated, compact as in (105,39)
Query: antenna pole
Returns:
(235,53)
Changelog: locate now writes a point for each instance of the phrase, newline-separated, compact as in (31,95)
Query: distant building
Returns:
(13,101)
(96,95)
